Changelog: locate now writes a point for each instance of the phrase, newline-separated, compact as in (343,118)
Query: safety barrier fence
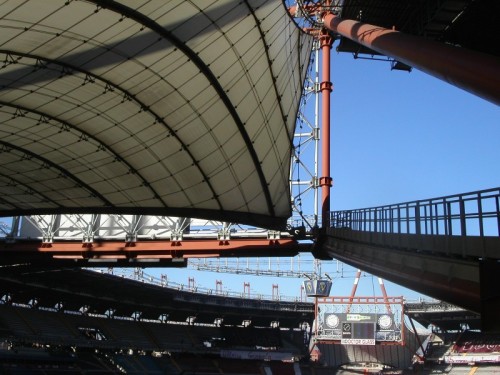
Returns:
(202,294)
(468,214)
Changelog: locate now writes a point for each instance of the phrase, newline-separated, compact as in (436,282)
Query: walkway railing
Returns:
(468,214)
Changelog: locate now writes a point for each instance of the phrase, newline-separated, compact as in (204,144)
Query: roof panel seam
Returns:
(63,171)
(141,18)
(89,78)
(46,117)
(17,182)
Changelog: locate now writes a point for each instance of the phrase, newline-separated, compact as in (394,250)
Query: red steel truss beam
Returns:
(361,300)
(472,71)
(379,343)
(154,249)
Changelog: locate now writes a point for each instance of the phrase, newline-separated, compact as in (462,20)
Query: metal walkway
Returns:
(447,248)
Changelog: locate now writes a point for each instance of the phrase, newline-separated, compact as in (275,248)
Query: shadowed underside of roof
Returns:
(179,108)
(471,24)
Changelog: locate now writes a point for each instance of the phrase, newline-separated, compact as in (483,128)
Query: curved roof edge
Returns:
(174,109)
(252,219)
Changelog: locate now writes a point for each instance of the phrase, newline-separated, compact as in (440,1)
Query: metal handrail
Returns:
(279,302)
(468,214)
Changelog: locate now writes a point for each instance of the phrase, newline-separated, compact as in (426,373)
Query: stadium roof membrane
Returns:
(179,108)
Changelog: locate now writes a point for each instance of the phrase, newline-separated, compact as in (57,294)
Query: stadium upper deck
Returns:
(101,292)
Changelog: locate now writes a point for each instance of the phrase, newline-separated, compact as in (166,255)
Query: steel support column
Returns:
(325,181)
(472,71)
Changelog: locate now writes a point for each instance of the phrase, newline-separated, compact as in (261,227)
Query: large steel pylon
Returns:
(304,180)
(319,89)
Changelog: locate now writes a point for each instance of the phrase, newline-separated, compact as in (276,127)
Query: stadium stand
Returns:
(40,336)
(32,325)
(101,291)
(47,329)
(475,347)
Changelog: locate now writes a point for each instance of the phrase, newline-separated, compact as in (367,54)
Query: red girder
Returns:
(154,249)
(472,71)
(361,300)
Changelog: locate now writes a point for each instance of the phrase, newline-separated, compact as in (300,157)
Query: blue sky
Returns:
(399,136)
(396,137)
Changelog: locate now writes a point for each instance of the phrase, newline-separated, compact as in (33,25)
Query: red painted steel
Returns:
(354,288)
(325,181)
(472,71)
(155,249)
(361,300)
(384,293)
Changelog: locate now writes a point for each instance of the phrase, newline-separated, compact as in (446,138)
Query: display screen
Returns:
(356,333)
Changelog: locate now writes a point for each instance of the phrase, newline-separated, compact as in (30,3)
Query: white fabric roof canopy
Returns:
(179,108)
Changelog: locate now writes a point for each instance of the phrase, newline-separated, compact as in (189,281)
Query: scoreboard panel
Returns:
(358,333)
(358,329)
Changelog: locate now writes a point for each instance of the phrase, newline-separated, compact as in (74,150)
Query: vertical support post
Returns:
(14,229)
(448,216)
(325,181)
(316,129)
(417,337)
(403,327)
(480,215)
(463,224)
(316,317)
(384,294)
(418,228)
(353,291)
(218,286)
(246,289)
(497,207)
(276,293)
